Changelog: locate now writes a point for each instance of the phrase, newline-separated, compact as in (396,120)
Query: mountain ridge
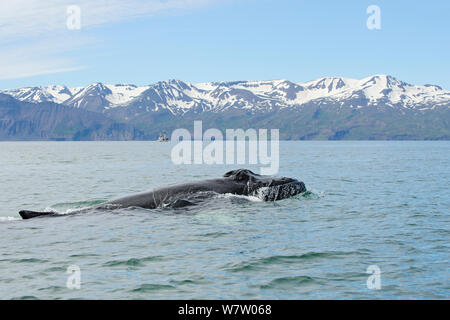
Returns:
(179,96)
(378,107)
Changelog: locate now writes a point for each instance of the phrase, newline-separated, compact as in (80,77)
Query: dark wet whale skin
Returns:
(166,195)
(238,182)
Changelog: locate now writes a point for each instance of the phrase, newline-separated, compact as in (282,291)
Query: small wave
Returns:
(29,260)
(213,234)
(53,289)
(311,194)
(9,218)
(134,262)
(183,282)
(293,259)
(84,255)
(26,298)
(288,282)
(150,287)
(56,269)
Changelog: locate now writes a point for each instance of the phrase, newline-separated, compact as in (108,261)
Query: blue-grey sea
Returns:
(369,203)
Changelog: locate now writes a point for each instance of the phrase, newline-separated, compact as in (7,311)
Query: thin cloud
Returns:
(26,18)
(29,58)
(22,22)
(31,70)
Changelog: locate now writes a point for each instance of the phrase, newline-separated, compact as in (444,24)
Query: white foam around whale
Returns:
(230,195)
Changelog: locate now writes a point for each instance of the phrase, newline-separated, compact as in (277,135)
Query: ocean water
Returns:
(368,203)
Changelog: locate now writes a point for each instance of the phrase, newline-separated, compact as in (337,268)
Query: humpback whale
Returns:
(237,182)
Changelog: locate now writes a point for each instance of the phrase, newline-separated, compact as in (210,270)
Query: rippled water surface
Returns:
(369,203)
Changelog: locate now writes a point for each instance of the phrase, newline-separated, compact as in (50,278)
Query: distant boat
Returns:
(163,137)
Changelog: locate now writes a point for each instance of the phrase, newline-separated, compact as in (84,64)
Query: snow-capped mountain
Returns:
(57,94)
(179,97)
(375,108)
(380,89)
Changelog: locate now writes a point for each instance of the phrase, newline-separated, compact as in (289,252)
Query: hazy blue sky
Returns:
(142,42)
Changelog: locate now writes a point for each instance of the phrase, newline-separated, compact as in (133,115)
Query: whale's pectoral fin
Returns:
(27,214)
(181,203)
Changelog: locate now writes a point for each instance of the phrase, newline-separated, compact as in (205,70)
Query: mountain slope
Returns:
(178,97)
(311,122)
(49,121)
(376,107)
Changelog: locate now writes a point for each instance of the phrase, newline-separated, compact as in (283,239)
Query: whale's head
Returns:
(267,188)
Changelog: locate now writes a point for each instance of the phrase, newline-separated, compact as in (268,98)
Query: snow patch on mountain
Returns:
(123,93)
(179,97)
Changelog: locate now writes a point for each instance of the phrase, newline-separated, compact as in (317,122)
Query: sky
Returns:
(142,42)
